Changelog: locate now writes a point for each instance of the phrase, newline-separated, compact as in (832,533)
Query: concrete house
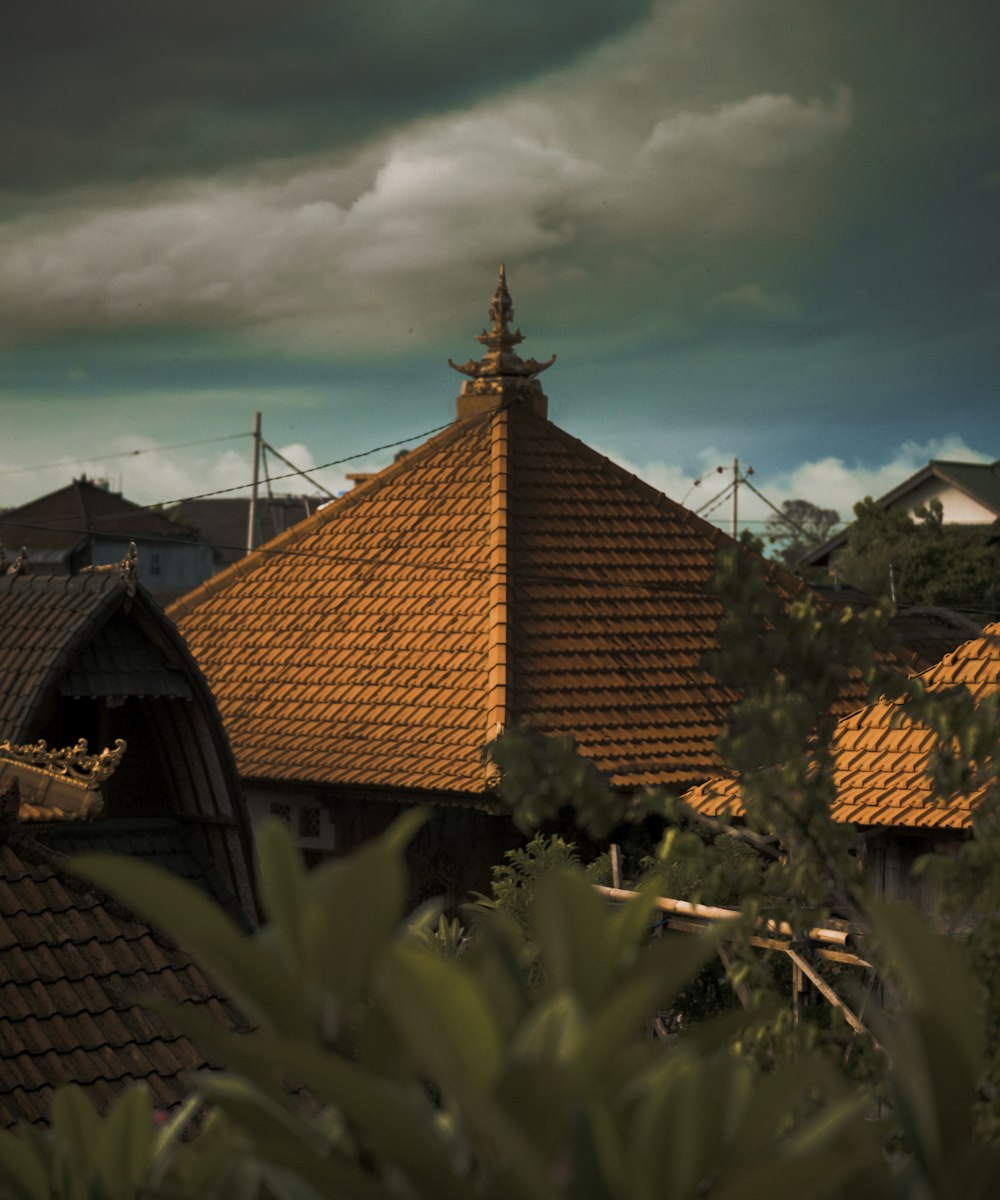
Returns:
(969,494)
(86,524)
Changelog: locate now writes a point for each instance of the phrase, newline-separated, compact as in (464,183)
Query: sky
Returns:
(754,229)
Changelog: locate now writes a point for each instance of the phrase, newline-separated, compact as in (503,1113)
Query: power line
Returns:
(711,505)
(161,504)
(79,462)
(616,584)
(288,463)
(700,480)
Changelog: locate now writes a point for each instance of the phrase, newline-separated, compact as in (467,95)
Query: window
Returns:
(309,821)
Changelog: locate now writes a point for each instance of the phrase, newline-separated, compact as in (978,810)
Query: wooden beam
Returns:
(741,989)
(825,990)
(709,912)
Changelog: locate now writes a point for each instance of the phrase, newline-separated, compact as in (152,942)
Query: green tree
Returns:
(800,527)
(922,560)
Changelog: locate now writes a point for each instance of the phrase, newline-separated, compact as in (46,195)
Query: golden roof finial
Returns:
(17,567)
(501,360)
(502,312)
(128,569)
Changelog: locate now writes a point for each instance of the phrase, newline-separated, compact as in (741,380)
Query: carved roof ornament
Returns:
(128,569)
(501,371)
(17,567)
(62,783)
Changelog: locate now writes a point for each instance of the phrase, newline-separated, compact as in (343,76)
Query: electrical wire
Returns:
(619,584)
(713,504)
(700,480)
(162,504)
(784,516)
(288,463)
(79,462)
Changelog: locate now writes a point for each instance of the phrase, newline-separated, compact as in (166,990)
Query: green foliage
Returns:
(788,662)
(513,884)
(463,1079)
(393,1060)
(459,1076)
(694,863)
(932,563)
(968,903)
(540,777)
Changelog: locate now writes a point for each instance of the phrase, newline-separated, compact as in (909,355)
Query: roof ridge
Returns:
(243,566)
(498,585)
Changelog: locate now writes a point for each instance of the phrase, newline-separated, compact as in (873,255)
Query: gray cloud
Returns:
(112,90)
(774,217)
(365,252)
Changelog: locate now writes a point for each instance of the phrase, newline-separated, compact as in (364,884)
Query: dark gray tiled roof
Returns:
(73,965)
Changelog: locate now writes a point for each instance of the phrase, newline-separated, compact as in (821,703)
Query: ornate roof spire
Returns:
(501,374)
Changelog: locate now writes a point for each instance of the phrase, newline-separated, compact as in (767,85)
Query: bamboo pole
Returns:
(824,989)
(708,912)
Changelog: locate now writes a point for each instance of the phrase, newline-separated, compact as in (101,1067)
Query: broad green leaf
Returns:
(818,1132)
(661,971)
(258,981)
(931,1092)
(283,887)
(539,1096)
(77,1124)
(934,975)
(168,1137)
(550,1031)
(126,1142)
(777,1093)
(362,900)
(443,1015)
(576,935)
(674,1140)
(283,1184)
(935,1043)
(286,1140)
(829,1174)
(396,1122)
(498,956)
(632,919)
(23,1172)
(588,1180)
(608,1143)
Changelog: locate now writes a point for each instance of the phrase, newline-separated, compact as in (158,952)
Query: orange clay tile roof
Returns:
(501,573)
(74,968)
(881,755)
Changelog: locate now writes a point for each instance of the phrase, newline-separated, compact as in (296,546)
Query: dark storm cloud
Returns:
(112,89)
(769,226)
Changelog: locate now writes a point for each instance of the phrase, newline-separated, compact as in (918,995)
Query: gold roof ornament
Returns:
(501,374)
(59,784)
(17,567)
(128,569)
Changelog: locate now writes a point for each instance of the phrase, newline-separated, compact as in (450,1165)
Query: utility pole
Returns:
(252,518)
(736,495)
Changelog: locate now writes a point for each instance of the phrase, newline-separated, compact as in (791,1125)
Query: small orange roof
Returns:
(882,754)
(501,573)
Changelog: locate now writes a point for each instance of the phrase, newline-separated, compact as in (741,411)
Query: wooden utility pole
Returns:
(736,497)
(252,518)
